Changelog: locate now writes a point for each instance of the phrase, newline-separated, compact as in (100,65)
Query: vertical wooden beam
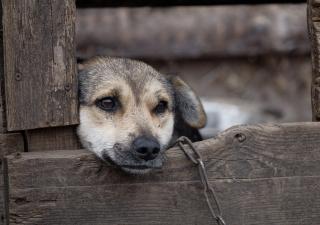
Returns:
(40,64)
(9,142)
(2,94)
(314,33)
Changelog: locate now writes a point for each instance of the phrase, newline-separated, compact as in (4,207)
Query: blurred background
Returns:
(249,64)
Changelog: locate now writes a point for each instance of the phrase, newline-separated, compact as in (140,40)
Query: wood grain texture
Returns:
(9,143)
(54,138)
(314,33)
(3,125)
(266,174)
(209,32)
(40,67)
(127,3)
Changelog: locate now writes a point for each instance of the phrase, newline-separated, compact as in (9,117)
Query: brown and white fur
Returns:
(130,113)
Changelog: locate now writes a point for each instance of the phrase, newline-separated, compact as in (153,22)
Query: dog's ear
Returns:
(188,103)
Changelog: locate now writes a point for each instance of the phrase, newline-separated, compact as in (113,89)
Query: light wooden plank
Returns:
(40,66)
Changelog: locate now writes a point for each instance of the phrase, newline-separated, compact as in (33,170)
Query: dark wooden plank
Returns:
(285,201)
(2,94)
(137,3)
(54,138)
(266,174)
(209,32)
(314,33)
(40,67)
(9,143)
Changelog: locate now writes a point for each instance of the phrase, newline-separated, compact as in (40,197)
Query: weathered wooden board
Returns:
(40,66)
(314,33)
(285,201)
(126,3)
(209,32)
(9,143)
(266,174)
(54,138)
(2,94)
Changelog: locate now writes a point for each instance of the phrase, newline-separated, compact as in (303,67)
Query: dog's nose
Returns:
(146,148)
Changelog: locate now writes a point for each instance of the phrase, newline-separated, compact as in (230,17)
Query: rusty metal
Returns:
(208,191)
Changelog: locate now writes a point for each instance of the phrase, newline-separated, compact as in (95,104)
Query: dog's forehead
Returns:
(102,73)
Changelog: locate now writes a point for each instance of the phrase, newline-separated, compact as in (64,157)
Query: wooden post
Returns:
(314,33)
(40,63)
(266,174)
(9,142)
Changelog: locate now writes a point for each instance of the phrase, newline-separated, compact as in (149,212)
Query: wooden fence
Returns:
(269,176)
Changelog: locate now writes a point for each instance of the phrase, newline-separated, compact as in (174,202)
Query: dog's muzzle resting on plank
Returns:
(130,113)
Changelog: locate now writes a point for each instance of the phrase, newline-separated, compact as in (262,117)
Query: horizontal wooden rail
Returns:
(137,3)
(266,174)
(207,33)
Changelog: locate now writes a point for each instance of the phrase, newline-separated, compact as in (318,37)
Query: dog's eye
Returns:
(109,104)
(161,107)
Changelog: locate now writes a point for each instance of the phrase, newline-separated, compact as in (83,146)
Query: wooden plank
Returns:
(267,151)
(9,143)
(266,174)
(107,32)
(40,67)
(314,33)
(54,138)
(285,201)
(2,94)
(128,3)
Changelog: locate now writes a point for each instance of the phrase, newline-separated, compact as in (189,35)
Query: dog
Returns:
(130,113)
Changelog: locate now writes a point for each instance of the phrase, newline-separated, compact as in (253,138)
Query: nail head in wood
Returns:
(240,137)
(18,77)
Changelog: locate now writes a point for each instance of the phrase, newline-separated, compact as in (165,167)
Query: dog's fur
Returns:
(138,89)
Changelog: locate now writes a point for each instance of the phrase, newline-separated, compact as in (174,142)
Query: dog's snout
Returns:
(146,148)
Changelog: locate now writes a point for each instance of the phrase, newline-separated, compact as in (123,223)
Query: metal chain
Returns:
(208,191)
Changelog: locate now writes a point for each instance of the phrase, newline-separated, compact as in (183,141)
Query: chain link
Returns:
(208,191)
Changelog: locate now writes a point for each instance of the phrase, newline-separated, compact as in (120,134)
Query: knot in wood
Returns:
(240,137)
(67,87)
(18,76)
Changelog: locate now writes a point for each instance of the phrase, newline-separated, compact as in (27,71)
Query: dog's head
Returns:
(128,111)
